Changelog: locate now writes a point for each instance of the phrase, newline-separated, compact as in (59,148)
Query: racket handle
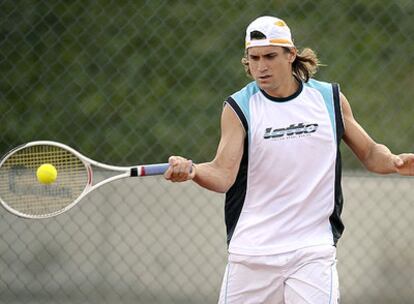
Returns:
(156,169)
(148,170)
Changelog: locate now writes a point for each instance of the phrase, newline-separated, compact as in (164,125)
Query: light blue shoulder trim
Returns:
(242,98)
(326,90)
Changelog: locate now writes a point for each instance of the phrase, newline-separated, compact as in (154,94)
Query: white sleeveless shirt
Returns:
(287,194)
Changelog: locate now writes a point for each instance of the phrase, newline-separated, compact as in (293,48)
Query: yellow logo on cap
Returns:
(280,23)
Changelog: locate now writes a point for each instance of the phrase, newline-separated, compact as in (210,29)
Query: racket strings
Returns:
(21,191)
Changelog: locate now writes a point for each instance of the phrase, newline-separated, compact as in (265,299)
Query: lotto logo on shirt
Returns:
(293,131)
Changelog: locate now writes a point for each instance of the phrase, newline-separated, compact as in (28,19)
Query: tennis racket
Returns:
(23,195)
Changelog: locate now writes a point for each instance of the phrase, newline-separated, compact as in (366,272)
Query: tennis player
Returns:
(278,161)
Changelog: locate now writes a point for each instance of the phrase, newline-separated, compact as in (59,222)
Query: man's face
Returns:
(270,66)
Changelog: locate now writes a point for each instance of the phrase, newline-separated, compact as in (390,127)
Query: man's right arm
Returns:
(220,173)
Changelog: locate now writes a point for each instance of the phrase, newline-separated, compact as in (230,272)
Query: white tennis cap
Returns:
(274,30)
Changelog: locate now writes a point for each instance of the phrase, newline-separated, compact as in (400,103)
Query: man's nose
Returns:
(262,65)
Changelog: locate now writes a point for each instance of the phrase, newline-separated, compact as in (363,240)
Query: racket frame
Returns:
(124,172)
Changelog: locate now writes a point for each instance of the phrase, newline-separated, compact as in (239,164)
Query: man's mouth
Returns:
(264,77)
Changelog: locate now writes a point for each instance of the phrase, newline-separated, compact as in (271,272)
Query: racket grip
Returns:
(155,169)
(148,170)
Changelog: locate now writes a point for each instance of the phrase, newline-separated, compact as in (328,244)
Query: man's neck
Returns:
(286,89)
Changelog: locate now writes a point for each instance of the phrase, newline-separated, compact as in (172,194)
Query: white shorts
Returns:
(307,275)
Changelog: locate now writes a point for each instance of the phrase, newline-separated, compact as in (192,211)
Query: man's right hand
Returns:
(180,169)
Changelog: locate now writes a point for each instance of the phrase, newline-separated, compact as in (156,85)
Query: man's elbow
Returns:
(228,182)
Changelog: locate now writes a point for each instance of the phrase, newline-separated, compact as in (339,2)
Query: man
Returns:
(278,161)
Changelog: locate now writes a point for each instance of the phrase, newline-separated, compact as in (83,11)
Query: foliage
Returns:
(127,82)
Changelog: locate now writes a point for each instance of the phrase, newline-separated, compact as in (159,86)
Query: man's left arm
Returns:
(375,157)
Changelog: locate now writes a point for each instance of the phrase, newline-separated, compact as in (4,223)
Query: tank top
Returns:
(287,194)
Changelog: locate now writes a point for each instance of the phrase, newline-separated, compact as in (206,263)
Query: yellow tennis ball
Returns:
(46,174)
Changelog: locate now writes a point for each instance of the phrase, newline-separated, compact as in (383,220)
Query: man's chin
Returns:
(264,84)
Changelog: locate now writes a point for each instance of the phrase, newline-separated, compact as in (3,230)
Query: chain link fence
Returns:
(128,82)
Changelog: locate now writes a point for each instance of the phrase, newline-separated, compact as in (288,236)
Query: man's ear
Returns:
(292,54)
